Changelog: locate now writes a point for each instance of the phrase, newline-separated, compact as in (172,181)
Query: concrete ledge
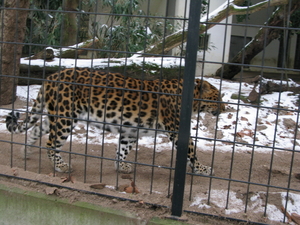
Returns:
(25,207)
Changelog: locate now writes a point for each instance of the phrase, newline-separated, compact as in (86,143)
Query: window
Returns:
(203,41)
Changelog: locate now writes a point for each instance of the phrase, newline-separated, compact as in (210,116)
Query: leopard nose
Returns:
(216,112)
(220,109)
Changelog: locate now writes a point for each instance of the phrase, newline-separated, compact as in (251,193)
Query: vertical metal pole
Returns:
(187,100)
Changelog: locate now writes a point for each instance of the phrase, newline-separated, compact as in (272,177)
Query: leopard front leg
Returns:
(58,162)
(59,132)
(170,122)
(125,147)
(193,162)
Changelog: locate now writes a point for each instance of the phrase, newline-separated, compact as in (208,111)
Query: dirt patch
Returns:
(153,183)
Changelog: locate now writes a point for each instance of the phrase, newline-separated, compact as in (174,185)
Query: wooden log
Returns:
(267,86)
(30,74)
(68,52)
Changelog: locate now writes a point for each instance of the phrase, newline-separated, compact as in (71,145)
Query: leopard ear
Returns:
(203,86)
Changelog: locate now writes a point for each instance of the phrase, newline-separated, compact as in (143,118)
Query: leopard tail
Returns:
(31,119)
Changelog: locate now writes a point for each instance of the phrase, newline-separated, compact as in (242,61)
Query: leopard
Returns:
(130,107)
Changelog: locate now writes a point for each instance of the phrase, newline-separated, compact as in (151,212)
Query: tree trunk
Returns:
(282,57)
(14,25)
(70,29)
(297,53)
(262,39)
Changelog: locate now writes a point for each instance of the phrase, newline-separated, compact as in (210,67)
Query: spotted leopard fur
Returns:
(121,104)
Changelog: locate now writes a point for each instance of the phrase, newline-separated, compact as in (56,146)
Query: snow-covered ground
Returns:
(167,62)
(274,128)
(256,204)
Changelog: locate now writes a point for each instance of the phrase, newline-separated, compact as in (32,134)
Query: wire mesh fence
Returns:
(216,81)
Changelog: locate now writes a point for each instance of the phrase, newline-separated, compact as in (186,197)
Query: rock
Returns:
(289,123)
(51,191)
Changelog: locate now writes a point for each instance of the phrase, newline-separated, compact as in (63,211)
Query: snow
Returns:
(214,13)
(267,116)
(239,117)
(256,205)
(104,63)
(293,203)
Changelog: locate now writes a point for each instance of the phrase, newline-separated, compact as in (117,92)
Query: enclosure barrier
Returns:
(243,123)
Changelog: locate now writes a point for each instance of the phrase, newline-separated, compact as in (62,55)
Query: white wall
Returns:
(180,6)
(157,7)
(219,43)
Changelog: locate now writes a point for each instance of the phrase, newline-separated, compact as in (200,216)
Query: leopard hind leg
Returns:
(125,146)
(38,131)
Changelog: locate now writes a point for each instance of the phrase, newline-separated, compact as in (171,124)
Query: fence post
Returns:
(187,100)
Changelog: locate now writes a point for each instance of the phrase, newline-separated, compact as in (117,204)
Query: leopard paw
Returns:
(204,170)
(63,167)
(123,167)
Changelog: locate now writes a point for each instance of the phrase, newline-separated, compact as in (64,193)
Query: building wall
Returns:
(269,56)
(219,41)
(219,45)
(157,7)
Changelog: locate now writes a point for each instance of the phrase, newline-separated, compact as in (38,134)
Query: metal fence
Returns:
(252,146)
